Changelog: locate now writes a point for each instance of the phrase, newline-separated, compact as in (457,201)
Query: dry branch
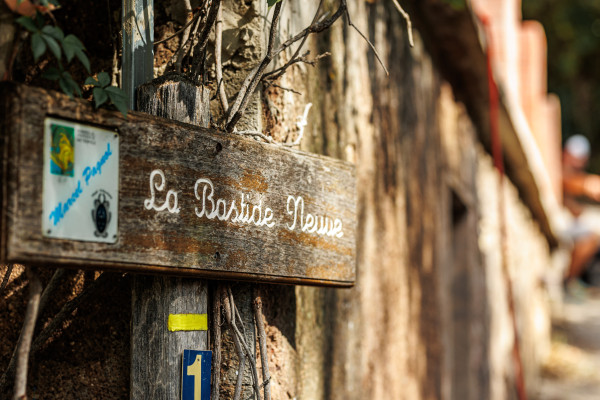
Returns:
(218,60)
(216,360)
(280,71)
(24,345)
(6,277)
(262,341)
(408,22)
(183,28)
(255,76)
(51,287)
(204,34)
(249,85)
(371,45)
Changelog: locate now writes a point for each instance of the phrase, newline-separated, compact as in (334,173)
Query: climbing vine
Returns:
(47,37)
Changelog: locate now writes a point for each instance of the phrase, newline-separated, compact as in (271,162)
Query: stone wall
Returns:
(428,316)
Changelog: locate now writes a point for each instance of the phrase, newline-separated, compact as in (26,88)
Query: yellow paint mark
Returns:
(187,322)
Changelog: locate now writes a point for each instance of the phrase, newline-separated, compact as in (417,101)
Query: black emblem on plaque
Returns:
(101,215)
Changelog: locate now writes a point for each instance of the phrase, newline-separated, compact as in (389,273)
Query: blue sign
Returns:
(195,377)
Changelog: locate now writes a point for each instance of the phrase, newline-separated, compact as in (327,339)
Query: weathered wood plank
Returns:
(240,170)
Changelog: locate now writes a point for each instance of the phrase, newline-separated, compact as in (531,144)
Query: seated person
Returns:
(578,185)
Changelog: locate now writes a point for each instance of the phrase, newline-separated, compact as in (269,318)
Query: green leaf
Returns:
(121,106)
(38,46)
(83,59)
(115,91)
(68,85)
(104,79)
(91,81)
(74,42)
(53,46)
(54,31)
(118,98)
(271,3)
(52,74)
(69,51)
(27,23)
(100,96)
(65,86)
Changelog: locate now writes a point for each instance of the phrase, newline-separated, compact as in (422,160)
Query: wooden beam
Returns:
(245,210)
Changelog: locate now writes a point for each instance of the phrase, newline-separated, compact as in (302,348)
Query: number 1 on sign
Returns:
(195,375)
(195,370)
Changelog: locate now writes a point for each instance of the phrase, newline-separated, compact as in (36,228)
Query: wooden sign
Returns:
(191,202)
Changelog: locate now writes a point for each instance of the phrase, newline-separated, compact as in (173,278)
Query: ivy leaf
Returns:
(73,42)
(52,45)
(52,74)
(71,46)
(103,79)
(271,3)
(38,46)
(118,98)
(83,59)
(54,32)
(68,85)
(100,96)
(27,23)
(91,81)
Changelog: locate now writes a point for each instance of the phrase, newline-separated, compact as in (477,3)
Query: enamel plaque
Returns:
(81,182)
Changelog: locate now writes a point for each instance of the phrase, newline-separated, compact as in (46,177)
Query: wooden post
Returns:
(155,352)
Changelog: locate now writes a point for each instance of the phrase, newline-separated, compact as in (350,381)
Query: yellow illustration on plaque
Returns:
(62,152)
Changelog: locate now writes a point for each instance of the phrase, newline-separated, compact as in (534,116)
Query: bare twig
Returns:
(186,35)
(6,277)
(284,88)
(230,317)
(185,46)
(115,63)
(254,77)
(262,341)
(24,345)
(204,34)
(302,122)
(251,81)
(261,135)
(216,360)
(280,71)
(183,28)
(317,27)
(408,22)
(218,61)
(276,73)
(366,39)
(249,352)
(50,287)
